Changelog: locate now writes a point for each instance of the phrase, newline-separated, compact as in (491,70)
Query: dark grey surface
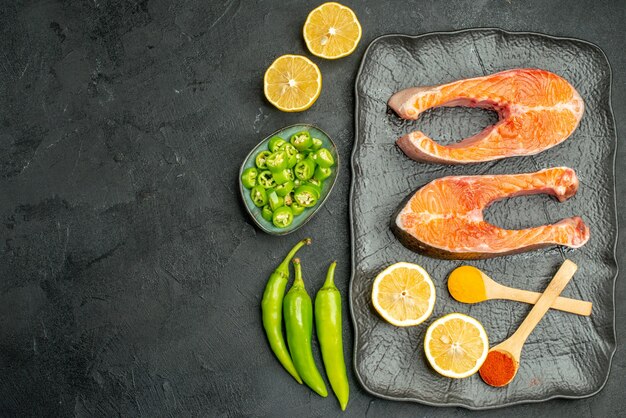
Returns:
(567,355)
(130,273)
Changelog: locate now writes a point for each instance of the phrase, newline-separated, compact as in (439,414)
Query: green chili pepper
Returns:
(322,173)
(275,143)
(317,144)
(248,177)
(306,196)
(297,182)
(277,161)
(272,309)
(275,200)
(283,176)
(305,169)
(324,158)
(258,196)
(328,327)
(266,213)
(289,200)
(292,154)
(298,311)
(282,217)
(299,157)
(285,188)
(296,208)
(260,159)
(317,185)
(265,179)
(301,140)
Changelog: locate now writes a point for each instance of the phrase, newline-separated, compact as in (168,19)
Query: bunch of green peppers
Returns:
(297,308)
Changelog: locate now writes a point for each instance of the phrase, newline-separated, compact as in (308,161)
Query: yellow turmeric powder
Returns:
(466,285)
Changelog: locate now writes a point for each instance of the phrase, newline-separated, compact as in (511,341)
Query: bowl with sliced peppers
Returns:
(287,177)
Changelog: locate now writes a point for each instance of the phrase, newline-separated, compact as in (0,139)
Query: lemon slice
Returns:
(403,294)
(292,83)
(332,31)
(456,345)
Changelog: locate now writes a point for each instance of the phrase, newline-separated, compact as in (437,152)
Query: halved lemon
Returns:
(292,83)
(331,31)
(456,345)
(403,294)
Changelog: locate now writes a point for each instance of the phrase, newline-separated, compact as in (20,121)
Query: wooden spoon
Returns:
(512,346)
(468,284)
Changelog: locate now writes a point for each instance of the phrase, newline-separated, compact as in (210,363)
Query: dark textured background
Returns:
(130,275)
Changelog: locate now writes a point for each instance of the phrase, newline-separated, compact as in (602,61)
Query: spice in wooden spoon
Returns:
(502,362)
(499,368)
(468,284)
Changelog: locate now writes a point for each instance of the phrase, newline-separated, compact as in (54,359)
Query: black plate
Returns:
(567,355)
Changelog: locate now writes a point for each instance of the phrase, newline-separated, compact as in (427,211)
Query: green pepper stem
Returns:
(298,281)
(283,267)
(330,276)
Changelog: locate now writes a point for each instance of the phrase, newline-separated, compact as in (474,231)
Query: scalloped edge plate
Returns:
(352,220)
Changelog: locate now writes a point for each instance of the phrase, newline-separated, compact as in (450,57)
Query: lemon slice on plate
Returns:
(456,345)
(403,294)
(292,83)
(331,31)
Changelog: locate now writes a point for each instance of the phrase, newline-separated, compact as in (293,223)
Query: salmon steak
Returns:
(444,219)
(537,110)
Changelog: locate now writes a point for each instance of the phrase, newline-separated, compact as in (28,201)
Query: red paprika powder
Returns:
(498,368)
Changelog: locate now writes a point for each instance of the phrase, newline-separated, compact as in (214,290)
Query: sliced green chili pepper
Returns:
(305,169)
(277,161)
(317,144)
(275,143)
(283,176)
(289,200)
(324,158)
(301,140)
(285,188)
(282,217)
(265,179)
(248,177)
(266,213)
(317,185)
(322,173)
(291,152)
(261,158)
(299,157)
(298,311)
(306,196)
(296,208)
(258,196)
(328,327)
(275,200)
(272,309)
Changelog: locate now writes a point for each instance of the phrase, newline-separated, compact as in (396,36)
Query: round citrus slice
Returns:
(331,31)
(292,83)
(456,345)
(403,294)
